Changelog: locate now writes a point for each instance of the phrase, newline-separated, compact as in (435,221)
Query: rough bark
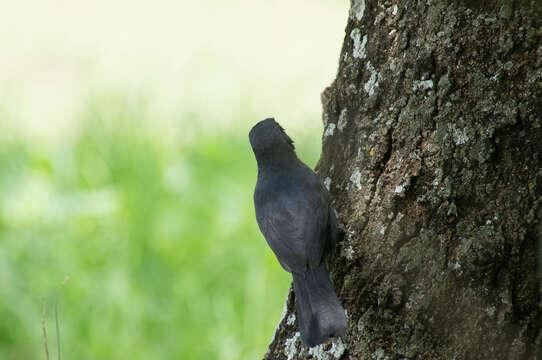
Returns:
(432,151)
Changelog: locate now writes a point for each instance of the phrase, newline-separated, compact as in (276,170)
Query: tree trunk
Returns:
(432,152)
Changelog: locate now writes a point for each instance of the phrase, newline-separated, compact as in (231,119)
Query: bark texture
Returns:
(432,151)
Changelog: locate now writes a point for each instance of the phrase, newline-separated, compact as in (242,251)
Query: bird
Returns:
(294,213)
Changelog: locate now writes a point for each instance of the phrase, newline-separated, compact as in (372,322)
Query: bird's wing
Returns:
(295,227)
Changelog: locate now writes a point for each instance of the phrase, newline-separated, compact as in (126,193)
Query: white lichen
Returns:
(327,182)
(291,319)
(290,349)
(359,44)
(422,84)
(379,354)
(394,10)
(318,352)
(373,80)
(357,8)
(459,135)
(355,178)
(326,119)
(330,130)
(284,312)
(399,189)
(348,253)
(382,230)
(342,120)
(491,311)
(337,350)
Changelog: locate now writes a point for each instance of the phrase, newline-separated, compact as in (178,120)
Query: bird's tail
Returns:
(319,311)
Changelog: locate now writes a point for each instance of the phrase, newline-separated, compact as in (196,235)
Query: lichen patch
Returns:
(357,8)
(422,84)
(337,350)
(290,349)
(291,319)
(359,44)
(330,130)
(348,252)
(373,80)
(327,182)
(355,178)
(459,135)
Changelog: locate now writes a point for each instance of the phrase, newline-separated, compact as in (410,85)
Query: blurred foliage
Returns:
(159,240)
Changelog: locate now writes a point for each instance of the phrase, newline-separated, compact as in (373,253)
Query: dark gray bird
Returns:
(295,216)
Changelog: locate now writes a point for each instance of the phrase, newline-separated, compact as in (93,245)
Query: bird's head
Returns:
(268,138)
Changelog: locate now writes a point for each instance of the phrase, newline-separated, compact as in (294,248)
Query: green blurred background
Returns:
(125,165)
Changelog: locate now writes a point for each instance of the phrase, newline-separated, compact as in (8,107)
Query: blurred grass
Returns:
(158,237)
